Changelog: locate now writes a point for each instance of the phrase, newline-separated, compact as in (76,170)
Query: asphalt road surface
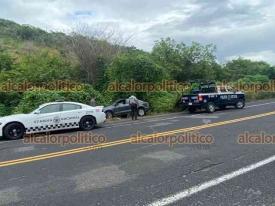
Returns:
(122,172)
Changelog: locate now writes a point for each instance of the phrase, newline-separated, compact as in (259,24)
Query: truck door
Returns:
(223,96)
(232,96)
(122,107)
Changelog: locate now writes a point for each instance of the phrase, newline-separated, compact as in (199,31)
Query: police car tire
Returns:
(210,107)
(10,129)
(87,123)
(240,104)
(141,112)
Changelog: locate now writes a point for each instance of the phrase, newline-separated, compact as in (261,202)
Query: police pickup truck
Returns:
(210,96)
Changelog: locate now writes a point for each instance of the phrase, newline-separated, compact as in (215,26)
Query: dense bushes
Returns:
(250,96)
(3,110)
(254,79)
(32,99)
(6,61)
(8,101)
(163,101)
(40,67)
(137,66)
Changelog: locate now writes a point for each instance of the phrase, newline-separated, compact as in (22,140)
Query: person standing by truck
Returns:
(133,102)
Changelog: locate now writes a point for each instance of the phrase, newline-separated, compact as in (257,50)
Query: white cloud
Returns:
(235,26)
(267,56)
(245,2)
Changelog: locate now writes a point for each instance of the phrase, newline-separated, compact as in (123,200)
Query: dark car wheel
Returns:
(240,104)
(191,109)
(141,112)
(14,131)
(210,107)
(109,115)
(87,123)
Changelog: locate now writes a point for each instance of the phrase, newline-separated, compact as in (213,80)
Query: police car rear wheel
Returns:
(210,107)
(240,105)
(141,112)
(87,123)
(14,131)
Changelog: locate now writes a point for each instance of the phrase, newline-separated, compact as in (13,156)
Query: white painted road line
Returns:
(198,188)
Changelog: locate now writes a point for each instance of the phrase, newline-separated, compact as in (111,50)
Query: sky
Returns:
(243,28)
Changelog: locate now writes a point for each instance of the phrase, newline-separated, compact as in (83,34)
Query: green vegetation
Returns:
(163,101)
(38,57)
(37,96)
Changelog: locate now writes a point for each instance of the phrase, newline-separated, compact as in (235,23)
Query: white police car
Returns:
(51,117)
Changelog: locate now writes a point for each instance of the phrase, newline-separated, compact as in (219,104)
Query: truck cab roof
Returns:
(212,88)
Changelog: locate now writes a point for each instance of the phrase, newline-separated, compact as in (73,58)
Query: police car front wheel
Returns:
(87,123)
(14,131)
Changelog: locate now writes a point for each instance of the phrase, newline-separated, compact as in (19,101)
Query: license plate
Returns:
(190,103)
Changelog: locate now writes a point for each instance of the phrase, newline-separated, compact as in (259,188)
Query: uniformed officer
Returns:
(133,101)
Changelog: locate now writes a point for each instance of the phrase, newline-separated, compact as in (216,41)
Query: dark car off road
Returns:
(121,107)
(210,96)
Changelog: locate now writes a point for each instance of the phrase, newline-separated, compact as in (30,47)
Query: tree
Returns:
(186,62)
(169,54)
(134,66)
(137,66)
(93,46)
(239,68)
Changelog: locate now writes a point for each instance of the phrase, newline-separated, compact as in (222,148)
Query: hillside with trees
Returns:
(96,59)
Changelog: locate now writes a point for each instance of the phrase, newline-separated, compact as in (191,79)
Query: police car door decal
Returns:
(45,122)
(70,118)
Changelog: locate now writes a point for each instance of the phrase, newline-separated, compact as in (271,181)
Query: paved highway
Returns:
(121,172)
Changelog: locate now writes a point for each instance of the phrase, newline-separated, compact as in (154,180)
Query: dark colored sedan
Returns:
(121,107)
